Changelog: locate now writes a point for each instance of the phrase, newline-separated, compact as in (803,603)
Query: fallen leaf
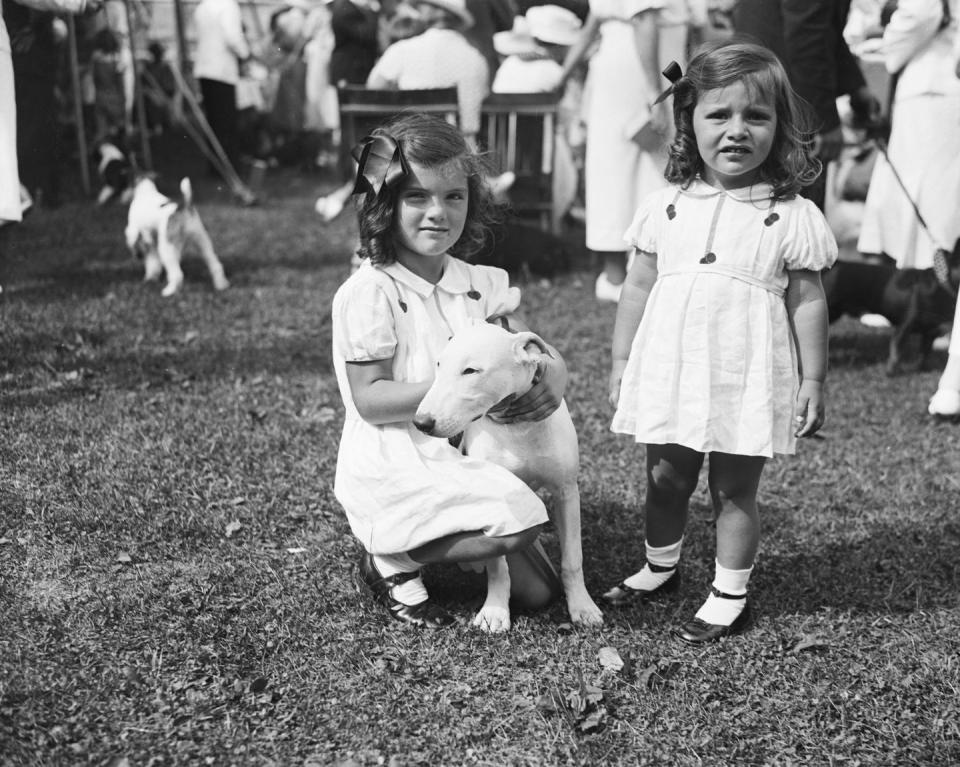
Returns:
(809,642)
(547,703)
(296,550)
(233,527)
(124,558)
(258,685)
(610,659)
(190,335)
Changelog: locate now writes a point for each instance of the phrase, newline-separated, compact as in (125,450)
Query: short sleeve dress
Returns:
(713,365)
(400,488)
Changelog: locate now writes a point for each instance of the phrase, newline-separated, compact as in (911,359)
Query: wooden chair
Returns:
(363,109)
(519,129)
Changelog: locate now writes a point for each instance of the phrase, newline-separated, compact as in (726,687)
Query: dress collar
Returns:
(756,193)
(455,279)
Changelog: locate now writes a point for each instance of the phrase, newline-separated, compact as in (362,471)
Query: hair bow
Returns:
(673,74)
(380,162)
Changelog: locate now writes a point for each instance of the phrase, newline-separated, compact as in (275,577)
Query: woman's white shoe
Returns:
(606,290)
(945,404)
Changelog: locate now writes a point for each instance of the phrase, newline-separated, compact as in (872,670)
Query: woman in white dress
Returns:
(924,139)
(635,40)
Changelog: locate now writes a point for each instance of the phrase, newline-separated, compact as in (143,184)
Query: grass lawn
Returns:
(177,582)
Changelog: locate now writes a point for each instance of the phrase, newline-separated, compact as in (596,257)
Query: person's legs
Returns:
(946,400)
(734,480)
(672,474)
(220,109)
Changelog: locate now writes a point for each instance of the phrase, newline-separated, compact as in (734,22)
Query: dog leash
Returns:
(941,267)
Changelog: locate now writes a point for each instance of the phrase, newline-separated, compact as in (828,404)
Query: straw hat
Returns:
(457,7)
(549,24)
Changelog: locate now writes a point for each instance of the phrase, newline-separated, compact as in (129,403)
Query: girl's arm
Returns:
(576,52)
(380,399)
(545,395)
(633,302)
(807,312)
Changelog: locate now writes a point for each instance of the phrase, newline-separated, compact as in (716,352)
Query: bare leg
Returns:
(734,480)
(672,474)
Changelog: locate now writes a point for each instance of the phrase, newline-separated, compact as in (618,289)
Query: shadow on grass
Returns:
(884,568)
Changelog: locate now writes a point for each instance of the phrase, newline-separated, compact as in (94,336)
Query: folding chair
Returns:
(519,129)
(363,109)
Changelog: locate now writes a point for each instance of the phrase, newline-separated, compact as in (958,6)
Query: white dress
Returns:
(9,177)
(618,174)
(398,487)
(924,140)
(713,365)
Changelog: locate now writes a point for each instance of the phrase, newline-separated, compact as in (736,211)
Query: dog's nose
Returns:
(424,423)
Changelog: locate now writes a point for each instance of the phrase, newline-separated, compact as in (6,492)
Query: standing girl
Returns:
(720,342)
(412,499)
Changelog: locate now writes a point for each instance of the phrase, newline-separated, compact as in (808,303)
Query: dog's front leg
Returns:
(580,604)
(152,268)
(494,616)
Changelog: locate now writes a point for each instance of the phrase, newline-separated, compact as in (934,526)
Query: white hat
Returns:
(553,24)
(457,7)
(543,24)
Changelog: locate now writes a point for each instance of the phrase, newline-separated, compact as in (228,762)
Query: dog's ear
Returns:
(524,339)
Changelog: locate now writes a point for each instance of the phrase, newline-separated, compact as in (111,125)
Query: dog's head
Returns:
(481,366)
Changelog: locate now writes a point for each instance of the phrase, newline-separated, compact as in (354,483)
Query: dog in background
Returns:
(160,231)
(484,365)
(915,301)
(116,174)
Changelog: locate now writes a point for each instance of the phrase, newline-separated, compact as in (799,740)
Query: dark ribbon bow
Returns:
(673,74)
(380,162)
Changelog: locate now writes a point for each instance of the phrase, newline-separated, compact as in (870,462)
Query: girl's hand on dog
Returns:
(810,408)
(544,396)
(616,376)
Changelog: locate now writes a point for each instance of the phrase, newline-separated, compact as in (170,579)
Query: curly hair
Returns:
(431,142)
(790,165)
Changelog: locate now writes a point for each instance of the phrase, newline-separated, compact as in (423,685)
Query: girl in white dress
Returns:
(720,342)
(412,499)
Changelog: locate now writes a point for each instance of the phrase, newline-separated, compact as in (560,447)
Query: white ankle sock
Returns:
(411,592)
(661,556)
(719,610)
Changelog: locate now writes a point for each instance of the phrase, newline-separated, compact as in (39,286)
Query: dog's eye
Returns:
(469,371)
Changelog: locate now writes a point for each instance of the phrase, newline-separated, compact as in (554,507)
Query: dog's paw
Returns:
(585,613)
(221,283)
(169,290)
(492,620)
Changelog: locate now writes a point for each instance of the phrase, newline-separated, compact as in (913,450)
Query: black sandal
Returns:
(425,615)
(622,594)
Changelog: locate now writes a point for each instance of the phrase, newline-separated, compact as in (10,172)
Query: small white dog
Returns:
(480,367)
(160,231)
(116,174)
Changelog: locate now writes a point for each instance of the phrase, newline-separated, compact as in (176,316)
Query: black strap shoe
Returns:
(697,631)
(425,615)
(622,595)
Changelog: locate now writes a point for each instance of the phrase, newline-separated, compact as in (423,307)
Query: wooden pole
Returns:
(78,105)
(138,93)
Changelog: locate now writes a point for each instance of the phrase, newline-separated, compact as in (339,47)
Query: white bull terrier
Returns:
(481,366)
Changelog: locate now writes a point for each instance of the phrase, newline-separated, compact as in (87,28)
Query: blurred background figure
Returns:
(627,43)
(533,52)
(489,18)
(107,70)
(439,57)
(924,144)
(807,36)
(221,48)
